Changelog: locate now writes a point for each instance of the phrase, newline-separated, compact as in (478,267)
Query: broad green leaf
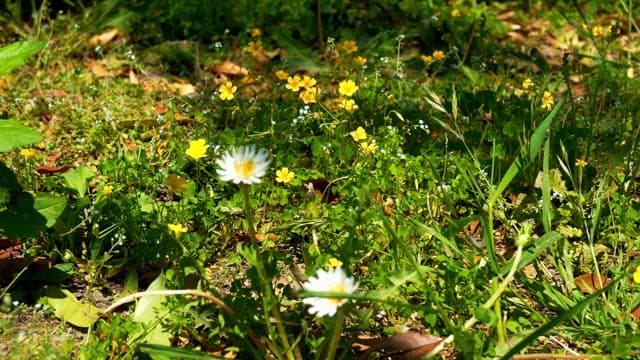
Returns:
(149,311)
(69,309)
(51,207)
(14,55)
(20,219)
(130,283)
(78,178)
(14,135)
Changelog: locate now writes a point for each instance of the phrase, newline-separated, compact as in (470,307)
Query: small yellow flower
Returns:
(197,149)
(255,32)
(359,60)
(309,95)
(347,88)
(438,55)
(308,82)
(455,13)
(581,163)
(349,46)
(107,190)
(348,104)
(28,153)
(284,175)
(358,134)
(255,47)
(426,58)
(177,229)
(227,90)
(368,148)
(547,101)
(334,263)
(282,75)
(598,31)
(527,84)
(636,275)
(294,83)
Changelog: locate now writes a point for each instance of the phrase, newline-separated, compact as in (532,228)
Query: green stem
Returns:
(335,337)
(269,301)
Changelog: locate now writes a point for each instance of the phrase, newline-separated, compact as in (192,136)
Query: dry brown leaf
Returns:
(160,108)
(182,89)
(181,118)
(590,283)
(410,345)
(97,69)
(105,37)
(133,78)
(230,68)
(270,236)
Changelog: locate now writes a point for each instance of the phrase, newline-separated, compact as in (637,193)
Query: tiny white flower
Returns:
(332,280)
(243,165)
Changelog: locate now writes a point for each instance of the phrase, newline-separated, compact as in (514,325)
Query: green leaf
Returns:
(531,253)
(14,55)
(69,309)
(13,134)
(150,311)
(175,353)
(51,207)
(78,178)
(486,316)
(20,219)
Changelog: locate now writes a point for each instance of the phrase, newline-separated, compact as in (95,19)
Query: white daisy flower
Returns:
(243,165)
(332,280)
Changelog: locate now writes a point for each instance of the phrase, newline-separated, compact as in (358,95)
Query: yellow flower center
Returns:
(245,168)
(337,289)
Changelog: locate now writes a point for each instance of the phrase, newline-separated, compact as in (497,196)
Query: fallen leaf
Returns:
(97,69)
(182,89)
(590,283)
(410,345)
(133,78)
(69,309)
(270,236)
(160,108)
(105,37)
(230,68)
(181,118)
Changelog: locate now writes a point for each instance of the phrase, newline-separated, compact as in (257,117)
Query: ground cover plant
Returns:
(319,180)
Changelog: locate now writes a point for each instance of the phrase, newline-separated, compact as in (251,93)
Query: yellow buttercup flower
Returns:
(294,83)
(255,32)
(438,55)
(308,82)
(636,275)
(547,101)
(581,163)
(347,87)
(359,134)
(282,75)
(359,60)
(227,90)
(177,229)
(426,58)
(349,46)
(28,153)
(255,47)
(455,13)
(284,175)
(197,149)
(368,148)
(334,263)
(107,190)
(309,95)
(348,104)
(527,84)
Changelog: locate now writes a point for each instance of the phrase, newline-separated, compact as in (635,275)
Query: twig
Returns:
(133,297)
